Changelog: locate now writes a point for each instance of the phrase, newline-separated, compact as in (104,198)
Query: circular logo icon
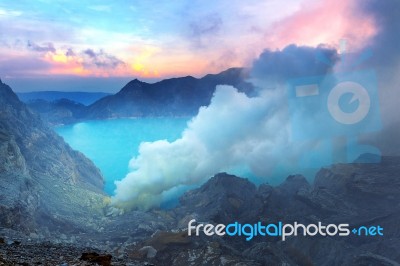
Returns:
(359,93)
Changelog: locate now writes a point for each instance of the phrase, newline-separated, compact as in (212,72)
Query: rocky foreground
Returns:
(358,194)
(53,210)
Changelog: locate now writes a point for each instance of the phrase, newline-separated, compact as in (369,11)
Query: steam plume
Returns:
(234,131)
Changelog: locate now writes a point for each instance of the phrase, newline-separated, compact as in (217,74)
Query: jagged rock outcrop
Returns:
(358,194)
(227,197)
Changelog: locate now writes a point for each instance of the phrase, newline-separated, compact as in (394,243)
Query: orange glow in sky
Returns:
(133,41)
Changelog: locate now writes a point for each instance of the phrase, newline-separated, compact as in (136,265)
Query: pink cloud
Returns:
(323,22)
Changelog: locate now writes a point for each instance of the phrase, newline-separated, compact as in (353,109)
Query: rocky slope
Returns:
(45,185)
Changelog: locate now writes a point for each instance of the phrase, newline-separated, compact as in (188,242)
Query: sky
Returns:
(99,46)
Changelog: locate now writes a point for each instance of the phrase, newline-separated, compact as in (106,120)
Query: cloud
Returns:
(293,61)
(323,22)
(386,42)
(70,52)
(203,30)
(10,13)
(47,47)
(101,59)
(386,62)
(206,25)
(90,53)
(58,60)
(225,60)
(86,62)
(23,66)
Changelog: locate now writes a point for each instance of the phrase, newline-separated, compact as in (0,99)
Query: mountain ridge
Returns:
(85,98)
(180,96)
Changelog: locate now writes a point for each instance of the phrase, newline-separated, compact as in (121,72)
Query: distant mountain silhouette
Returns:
(63,111)
(170,97)
(85,98)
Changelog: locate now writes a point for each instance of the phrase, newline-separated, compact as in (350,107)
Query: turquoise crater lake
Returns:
(111,144)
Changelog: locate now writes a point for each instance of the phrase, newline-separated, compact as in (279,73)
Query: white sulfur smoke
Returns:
(234,130)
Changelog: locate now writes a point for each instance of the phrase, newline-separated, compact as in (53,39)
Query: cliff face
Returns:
(40,175)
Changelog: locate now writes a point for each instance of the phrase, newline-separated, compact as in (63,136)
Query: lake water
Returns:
(110,144)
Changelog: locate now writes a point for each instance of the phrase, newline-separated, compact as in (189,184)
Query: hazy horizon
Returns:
(79,84)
